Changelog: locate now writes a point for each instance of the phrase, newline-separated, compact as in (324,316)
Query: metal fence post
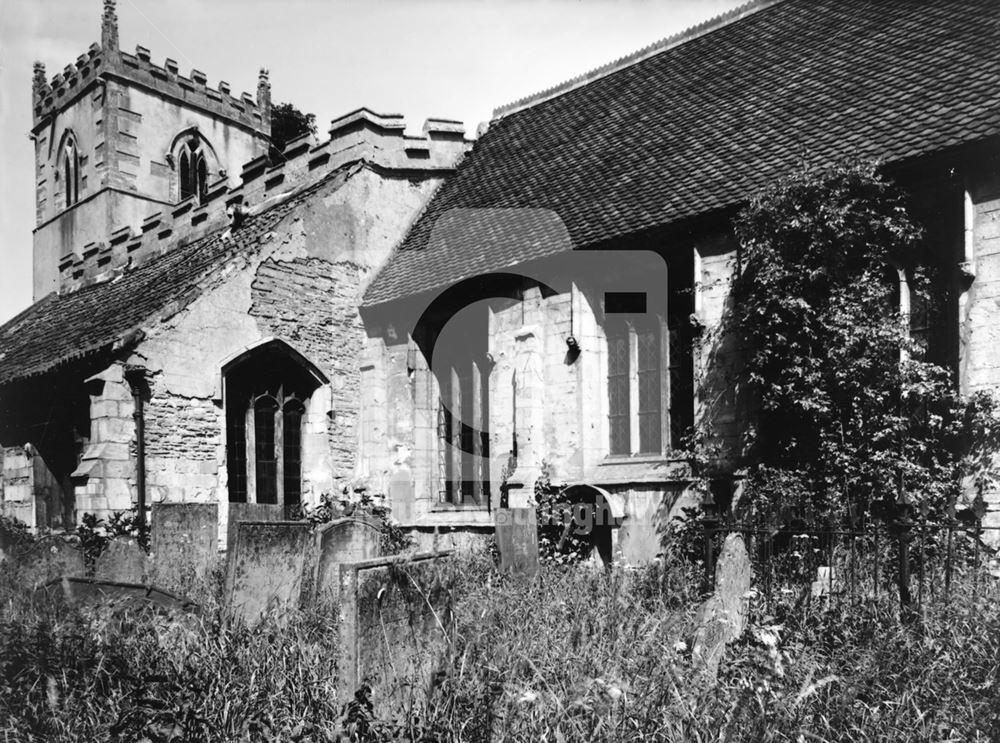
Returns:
(902,526)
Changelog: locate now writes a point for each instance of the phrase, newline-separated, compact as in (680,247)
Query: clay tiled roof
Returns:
(61,328)
(708,120)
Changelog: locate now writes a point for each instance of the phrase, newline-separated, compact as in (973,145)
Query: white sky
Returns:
(456,59)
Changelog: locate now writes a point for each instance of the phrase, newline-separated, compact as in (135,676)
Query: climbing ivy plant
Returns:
(845,414)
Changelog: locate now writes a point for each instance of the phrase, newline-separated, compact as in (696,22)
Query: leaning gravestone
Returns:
(184,545)
(270,568)
(517,540)
(723,617)
(123,561)
(50,557)
(342,541)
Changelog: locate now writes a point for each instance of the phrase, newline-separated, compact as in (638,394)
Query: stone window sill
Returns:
(640,459)
(452,507)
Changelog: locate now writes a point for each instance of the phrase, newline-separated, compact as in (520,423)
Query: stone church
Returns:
(195,331)
(449,321)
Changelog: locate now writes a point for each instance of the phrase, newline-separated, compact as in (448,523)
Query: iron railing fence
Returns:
(920,561)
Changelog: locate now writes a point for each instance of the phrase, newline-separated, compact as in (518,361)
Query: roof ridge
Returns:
(657,47)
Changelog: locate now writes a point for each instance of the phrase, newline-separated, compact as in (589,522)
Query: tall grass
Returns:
(115,674)
(573,654)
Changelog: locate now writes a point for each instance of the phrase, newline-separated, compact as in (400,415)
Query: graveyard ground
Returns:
(572,654)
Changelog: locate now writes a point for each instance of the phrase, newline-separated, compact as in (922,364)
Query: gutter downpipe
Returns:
(136,377)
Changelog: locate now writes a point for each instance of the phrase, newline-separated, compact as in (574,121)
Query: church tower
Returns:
(118,138)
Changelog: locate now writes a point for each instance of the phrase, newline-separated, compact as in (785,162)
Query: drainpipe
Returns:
(136,377)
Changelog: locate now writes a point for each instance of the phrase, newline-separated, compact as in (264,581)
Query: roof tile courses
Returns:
(705,123)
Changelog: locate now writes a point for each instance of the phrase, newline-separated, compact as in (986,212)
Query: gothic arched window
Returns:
(69,170)
(192,169)
(267,394)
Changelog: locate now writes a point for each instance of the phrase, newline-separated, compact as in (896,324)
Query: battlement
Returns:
(193,90)
(50,96)
(359,137)
(108,60)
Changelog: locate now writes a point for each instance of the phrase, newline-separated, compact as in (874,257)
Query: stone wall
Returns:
(303,288)
(554,406)
(979,359)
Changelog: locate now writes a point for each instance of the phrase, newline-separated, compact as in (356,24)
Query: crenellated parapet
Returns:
(50,97)
(359,137)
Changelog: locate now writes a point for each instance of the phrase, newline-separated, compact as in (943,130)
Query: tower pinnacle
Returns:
(38,81)
(264,95)
(109,27)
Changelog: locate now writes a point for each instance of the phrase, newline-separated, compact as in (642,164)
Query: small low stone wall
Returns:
(393,619)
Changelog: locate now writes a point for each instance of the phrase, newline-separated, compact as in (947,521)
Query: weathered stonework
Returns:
(295,286)
(106,475)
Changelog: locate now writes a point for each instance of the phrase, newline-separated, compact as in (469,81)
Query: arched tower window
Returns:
(192,157)
(267,394)
(69,170)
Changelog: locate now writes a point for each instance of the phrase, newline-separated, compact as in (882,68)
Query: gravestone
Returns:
(270,569)
(517,540)
(50,557)
(341,541)
(722,618)
(250,512)
(123,561)
(391,630)
(184,545)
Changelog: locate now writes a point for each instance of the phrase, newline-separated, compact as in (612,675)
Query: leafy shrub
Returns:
(393,539)
(556,543)
(847,410)
(15,532)
(95,533)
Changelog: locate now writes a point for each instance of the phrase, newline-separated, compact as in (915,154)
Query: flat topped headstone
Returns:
(269,569)
(391,626)
(517,540)
(184,544)
(250,512)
